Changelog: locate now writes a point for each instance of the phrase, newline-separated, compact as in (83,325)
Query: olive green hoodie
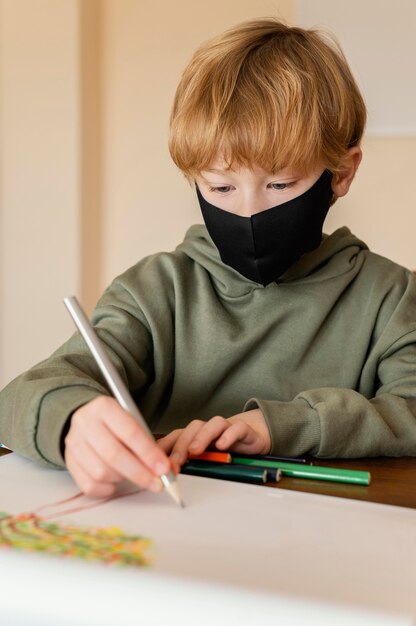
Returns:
(328,353)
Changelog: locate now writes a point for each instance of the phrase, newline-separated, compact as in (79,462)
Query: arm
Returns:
(326,422)
(338,422)
(331,422)
(376,418)
(35,407)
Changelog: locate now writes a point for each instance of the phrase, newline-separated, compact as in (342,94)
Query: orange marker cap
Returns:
(216,457)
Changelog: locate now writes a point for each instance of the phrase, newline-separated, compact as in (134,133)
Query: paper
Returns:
(260,539)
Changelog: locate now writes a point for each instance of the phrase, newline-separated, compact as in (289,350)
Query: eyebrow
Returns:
(212,171)
(228,170)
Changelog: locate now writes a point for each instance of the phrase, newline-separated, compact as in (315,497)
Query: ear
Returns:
(342,180)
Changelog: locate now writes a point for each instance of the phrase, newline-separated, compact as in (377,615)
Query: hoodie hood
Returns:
(338,253)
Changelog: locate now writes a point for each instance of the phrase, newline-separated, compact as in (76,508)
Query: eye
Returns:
(280,186)
(223,189)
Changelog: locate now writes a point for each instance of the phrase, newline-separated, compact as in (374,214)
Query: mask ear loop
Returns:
(333,197)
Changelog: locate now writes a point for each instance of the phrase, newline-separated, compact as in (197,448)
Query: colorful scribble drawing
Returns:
(33,533)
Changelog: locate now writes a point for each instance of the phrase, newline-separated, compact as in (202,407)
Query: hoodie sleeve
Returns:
(344,423)
(340,423)
(35,407)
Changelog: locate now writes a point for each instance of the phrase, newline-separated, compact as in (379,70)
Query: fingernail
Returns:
(176,457)
(194,445)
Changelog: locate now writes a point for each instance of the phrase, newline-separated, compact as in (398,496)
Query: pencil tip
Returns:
(172,487)
(176,496)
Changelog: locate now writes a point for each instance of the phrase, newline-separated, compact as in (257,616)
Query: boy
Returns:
(258,333)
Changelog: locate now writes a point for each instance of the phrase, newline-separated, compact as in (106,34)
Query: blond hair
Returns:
(267,94)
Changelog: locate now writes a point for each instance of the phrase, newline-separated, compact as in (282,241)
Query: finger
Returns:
(176,468)
(135,438)
(236,432)
(120,458)
(209,432)
(85,482)
(179,452)
(106,411)
(240,437)
(92,463)
(167,442)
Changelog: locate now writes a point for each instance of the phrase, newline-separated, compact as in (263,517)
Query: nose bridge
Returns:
(250,201)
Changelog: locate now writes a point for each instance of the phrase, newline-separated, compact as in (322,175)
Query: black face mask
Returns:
(264,246)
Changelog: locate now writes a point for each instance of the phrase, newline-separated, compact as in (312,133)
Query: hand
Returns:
(247,433)
(105,445)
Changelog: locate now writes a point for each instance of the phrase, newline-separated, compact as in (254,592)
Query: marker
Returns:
(272,457)
(226,471)
(217,457)
(115,383)
(315,472)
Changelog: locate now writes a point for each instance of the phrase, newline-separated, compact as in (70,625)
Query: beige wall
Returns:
(86,183)
(39,178)
(380,206)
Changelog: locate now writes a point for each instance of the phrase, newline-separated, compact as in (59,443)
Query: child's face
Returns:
(246,191)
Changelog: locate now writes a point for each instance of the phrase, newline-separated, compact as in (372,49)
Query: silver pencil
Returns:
(115,382)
